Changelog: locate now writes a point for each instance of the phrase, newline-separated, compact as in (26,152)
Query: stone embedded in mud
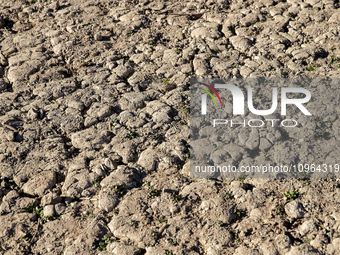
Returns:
(148,159)
(294,209)
(51,198)
(49,211)
(307,227)
(240,42)
(108,199)
(90,139)
(40,184)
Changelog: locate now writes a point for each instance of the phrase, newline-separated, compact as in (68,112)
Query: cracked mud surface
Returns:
(94,127)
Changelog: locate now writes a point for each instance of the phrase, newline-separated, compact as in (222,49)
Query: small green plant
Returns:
(220,223)
(289,55)
(27,237)
(229,195)
(156,137)
(171,241)
(321,134)
(237,237)
(153,43)
(166,81)
(307,240)
(119,189)
(176,198)
(280,210)
(84,64)
(154,234)
(310,69)
(239,213)
(98,179)
(167,252)
(153,193)
(161,220)
(131,134)
(338,66)
(107,240)
(177,51)
(134,223)
(334,60)
(131,32)
(242,178)
(292,195)
(126,58)
(31,2)
(39,212)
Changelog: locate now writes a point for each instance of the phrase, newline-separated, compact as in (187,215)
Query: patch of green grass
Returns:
(107,240)
(98,179)
(131,32)
(176,197)
(27,237)
(307,240)
(119,189)
(239,213)
(152,42)
(310,69)
(39,212)
(242,178)
(292,195)
(153,193)
(321,134)
(334,60)
(131,134)
(84,64)
(31,2)
(229,195)
(126,58)
(154,234)
(134,223)
(166,81)
(280,210)
(220,223)
(161,220)
(236,235)
(171,241)
(156,137)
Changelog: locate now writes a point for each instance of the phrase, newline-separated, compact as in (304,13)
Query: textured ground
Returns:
(94,127)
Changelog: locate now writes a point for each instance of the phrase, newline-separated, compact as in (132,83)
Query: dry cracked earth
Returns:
(94,130)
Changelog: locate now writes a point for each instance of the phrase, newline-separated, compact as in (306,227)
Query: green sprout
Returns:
(107,240)
(229,195)
(292,195)
(220,223)
(166,81)
(131,134)
(176,197)
(134,223)
(239,213)
(119,189)
(153,193)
